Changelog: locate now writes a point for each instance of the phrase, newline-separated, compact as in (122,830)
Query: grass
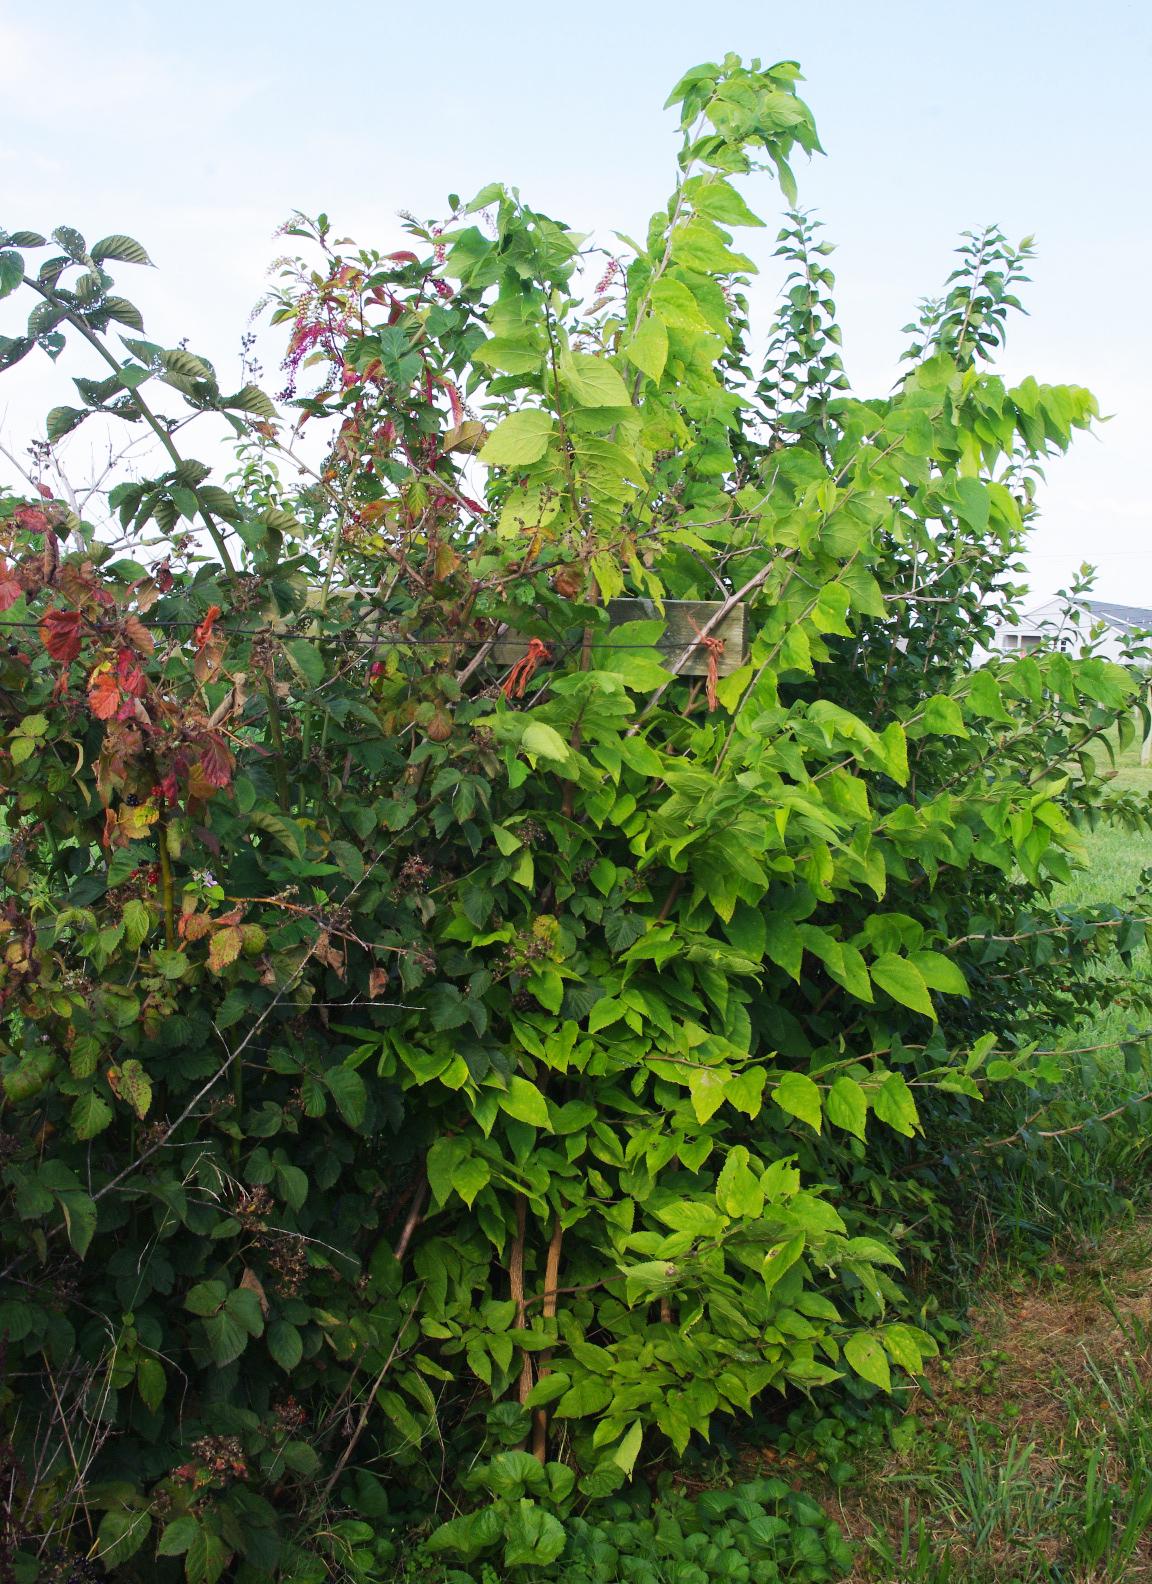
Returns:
(1026,1455)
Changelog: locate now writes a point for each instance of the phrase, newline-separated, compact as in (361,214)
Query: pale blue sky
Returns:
(198,127)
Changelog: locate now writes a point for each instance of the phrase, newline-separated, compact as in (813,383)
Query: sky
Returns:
(198,128)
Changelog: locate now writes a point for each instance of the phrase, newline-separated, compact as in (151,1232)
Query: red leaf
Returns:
(203,634)
(129,674)
(103,694)
(31,519)
(216,762)
(60,634)
(10,590)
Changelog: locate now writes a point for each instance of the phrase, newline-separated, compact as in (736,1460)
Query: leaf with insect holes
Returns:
(121,249)
(129,1082)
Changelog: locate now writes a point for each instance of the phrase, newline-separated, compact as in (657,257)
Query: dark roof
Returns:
(1128,617)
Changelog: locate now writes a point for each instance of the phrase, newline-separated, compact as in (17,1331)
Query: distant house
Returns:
(1068,624)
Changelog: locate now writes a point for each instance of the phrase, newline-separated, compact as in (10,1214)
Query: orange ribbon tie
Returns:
(524,669)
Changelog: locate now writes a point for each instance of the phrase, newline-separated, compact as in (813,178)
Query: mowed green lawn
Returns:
(1114,861)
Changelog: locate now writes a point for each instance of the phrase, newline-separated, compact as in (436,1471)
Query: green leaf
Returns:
(206,1297)
(628,1449)
(706,1085)
(939,972)
(346,1087)
(120,1536)
(90,1115)
(62,420)
(134,1086)
(942,716)
(121,249)
(533,1537)
(79,1218)
(137,923)
(306,660)
(908,1346)
(443,1159)
(868,1359)
(207,1557)
(587,1396)
(592,381)
(648,347)
(738,1190)
(518,440)
(847,1106)
(177,1537)
(250,400)
(151,1382)
(524,1101)
(124,312)
(800,1097)
(285,1344)
(470,1177)
(11,272)
(893,1104)
(904,982)
(227,1337)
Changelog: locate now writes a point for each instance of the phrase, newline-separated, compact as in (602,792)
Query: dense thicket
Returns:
(457,1041)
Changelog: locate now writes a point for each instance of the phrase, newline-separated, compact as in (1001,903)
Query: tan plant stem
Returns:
(412,1221)
(548,1312)
(516,1291)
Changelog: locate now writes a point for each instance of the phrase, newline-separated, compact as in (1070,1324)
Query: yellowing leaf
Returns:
(592,381)
(648,348)
(224,947)
(519,440)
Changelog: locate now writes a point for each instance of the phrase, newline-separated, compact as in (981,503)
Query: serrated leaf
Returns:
(137,923)
(62,420)
(72,243)
(648,348)
(251,399)
(306,660)
(177,1537)
(224,947)
(124,312)
(285,1345)
(207,1557)
(90,1115)
(123,249)
(206,1297)
(285,831)
(120,1536)
(11,272)
(346,1087)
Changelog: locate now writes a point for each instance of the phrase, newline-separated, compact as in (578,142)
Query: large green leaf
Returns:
(904,982)
(518,440)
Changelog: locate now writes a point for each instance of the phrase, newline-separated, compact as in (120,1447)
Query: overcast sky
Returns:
(198,127)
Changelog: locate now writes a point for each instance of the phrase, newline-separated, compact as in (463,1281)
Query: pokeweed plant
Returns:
(425,1004)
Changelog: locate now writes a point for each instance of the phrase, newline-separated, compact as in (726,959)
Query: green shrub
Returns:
(442,1019)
